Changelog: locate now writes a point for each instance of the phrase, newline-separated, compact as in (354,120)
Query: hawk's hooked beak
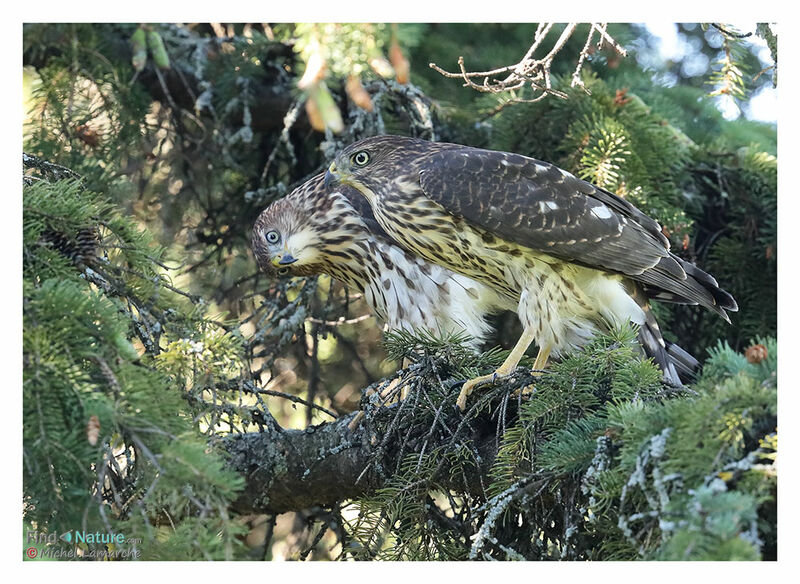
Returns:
(332,178)
(283,260)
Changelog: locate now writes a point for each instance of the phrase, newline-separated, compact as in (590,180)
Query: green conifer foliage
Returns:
(110,442)
(603,463)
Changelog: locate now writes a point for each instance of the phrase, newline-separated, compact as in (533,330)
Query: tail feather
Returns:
(686,365)
(677,365)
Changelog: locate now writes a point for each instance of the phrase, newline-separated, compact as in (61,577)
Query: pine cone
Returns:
(80,248)
(755,353)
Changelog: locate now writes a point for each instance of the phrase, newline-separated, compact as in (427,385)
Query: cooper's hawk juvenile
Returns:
(311,232)
(573,257)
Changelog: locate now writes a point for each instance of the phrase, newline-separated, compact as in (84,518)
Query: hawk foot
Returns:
(470,385)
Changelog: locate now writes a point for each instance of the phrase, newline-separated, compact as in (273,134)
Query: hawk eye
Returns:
(272,236)
(360,158)
(283,271)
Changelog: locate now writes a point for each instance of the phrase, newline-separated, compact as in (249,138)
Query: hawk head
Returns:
(305,232)
(370,165)
(285,241)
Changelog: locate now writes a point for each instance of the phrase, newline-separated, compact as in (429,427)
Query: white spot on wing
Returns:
(545,206)
(601,212)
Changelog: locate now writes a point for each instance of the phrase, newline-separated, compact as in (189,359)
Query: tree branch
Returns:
(179,87)
(287,470)
(530,70)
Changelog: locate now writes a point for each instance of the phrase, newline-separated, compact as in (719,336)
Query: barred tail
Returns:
(677,365)
(686,365)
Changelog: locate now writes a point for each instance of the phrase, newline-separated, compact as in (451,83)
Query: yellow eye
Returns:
(360,158)
(283,271)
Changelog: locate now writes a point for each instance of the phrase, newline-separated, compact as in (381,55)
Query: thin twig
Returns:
(729,33)
(290,397)
(531,70)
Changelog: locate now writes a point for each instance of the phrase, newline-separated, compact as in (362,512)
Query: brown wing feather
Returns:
(537,205)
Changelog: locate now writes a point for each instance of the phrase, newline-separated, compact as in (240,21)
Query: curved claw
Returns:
(471,384)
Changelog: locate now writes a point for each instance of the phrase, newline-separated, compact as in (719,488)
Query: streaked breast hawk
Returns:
(573,257)
(312,232)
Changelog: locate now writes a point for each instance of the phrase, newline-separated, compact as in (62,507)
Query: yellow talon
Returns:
(470,385)
(508,367)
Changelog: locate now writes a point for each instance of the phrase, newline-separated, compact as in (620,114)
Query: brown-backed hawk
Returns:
(311,232)
(573,257)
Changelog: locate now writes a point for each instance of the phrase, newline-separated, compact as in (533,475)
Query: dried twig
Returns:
(532,71)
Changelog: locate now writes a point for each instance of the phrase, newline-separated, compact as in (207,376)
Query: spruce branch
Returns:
(322,465)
